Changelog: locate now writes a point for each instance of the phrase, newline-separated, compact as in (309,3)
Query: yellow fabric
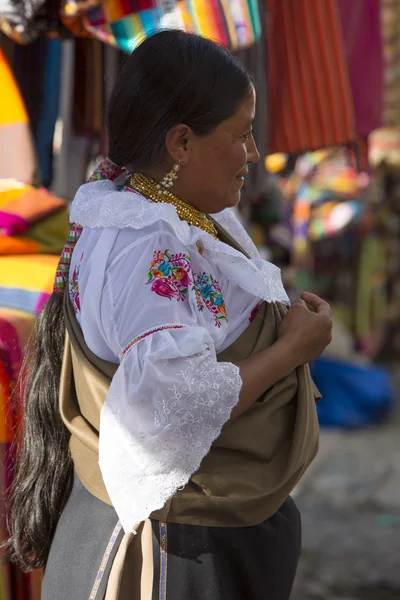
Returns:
(12,109)
(33,272)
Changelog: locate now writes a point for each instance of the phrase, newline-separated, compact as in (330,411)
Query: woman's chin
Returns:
(235,197)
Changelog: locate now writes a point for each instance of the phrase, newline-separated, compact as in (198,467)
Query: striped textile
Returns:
(125,23)
(310,100)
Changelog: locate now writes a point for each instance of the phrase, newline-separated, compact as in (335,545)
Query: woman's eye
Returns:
(247,136)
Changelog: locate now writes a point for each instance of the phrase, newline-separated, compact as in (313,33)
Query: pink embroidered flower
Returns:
(164,288)
(170,275)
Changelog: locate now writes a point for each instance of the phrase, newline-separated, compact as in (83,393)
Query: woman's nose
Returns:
(253,154)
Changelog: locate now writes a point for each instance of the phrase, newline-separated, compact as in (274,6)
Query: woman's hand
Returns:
(304,334)
(307,328)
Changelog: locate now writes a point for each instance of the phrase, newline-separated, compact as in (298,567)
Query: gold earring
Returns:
(168,181)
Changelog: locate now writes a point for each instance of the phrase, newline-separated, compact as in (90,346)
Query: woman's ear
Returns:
(178,143)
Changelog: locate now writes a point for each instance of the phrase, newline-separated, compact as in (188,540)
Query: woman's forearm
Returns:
(260,372)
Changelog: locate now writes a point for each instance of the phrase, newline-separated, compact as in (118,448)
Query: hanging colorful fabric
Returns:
(119,23)
(124,24)
(232,23)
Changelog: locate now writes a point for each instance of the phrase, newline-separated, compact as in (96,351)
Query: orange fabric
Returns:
(310,101)
(14,245)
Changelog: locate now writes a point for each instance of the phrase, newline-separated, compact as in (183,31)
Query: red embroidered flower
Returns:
(182,276)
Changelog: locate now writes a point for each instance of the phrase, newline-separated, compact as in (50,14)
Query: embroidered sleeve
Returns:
(159,285)
(170,397)
(165,410)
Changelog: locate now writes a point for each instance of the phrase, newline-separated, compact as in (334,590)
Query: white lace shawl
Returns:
(162,298)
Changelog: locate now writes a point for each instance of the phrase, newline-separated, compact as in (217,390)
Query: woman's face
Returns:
(214,166)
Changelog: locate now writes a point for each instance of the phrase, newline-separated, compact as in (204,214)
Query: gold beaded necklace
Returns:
(149,188)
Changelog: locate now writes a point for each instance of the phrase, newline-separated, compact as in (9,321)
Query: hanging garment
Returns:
(361,27)
(37,70)
(17,159)
(310,100)
(49,110)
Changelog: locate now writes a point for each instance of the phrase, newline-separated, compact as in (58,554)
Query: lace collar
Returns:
(101,205)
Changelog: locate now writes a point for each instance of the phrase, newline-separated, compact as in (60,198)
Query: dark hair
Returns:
(43,468)
(172,78)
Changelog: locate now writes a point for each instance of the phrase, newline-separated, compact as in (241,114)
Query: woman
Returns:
(165,431)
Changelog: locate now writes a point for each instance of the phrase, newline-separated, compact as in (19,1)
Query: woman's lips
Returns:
(241,176)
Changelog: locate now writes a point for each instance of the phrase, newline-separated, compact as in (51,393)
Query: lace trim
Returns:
(158,457)
(144,335)
(100,205)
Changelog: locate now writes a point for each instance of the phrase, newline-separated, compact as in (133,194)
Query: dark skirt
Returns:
(189,562)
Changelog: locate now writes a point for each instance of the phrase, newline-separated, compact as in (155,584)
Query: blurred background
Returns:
(323,203)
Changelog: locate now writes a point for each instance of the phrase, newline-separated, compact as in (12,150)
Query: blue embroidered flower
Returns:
(209,295)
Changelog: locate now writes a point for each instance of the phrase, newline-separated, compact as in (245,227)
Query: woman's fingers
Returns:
(316,303)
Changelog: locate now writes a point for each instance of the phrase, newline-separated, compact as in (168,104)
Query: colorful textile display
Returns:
(16,148)
(123,24)
(32,221)
(338,250)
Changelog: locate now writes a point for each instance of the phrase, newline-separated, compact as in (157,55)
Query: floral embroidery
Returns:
(208,294)
(146,334)
(254,312)
(74,287)
(170,275)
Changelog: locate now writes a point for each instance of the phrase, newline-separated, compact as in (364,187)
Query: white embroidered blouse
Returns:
(161,298)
